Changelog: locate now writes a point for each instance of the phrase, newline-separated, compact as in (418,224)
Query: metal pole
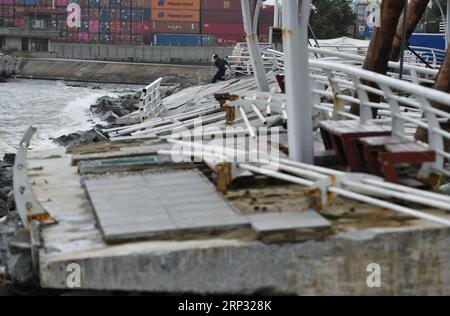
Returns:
(447,25)
(276,14)
(298,92)
(254,49)
(256,16)
(444,18)
(403,46)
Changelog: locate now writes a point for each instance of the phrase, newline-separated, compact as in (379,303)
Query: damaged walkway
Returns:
(239,261)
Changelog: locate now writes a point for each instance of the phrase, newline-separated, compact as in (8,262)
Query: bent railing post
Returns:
(27,205)
(150,103)
(254,49)
(298,91)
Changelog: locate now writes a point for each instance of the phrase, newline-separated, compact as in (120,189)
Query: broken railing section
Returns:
(242,64)
(205,120)
(324,183)
(274,60)
(244,106)
(28,206)
(411,72)
(150,103)
(9,66)
(404,108)
(263,105)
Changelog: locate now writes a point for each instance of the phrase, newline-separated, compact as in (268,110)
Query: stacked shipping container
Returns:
(176,16)
(265,23)
(137,22)
(223,18)
(7,13)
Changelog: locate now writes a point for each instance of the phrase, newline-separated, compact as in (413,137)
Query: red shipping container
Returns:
(147,38)
(114,27)
(94,13)
(115,38)
(83,37)
(266,17)
(8,11)
(137,27)
(222,17)
(222,5)
(137,39)
(62,3)
(174,27)
(222,28)
(263,38)
(115,14)
(42,3)
(93,26)
(146,27)
(125,39)
(263,29)
(20,22)
(8,22)
(93,37)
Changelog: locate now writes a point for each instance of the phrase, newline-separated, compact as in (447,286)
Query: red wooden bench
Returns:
(383,154)
(343,136)
(412,153)
(281,83)
(370,148)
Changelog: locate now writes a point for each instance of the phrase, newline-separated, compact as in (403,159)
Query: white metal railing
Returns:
(273,60)
(433,56)
(411,72)
(404,106)
(150,103)
(360,187)
(9,65)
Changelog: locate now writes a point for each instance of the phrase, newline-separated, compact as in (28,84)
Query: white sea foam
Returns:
(53,107)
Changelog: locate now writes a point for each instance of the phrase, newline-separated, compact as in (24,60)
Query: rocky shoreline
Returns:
(108,110)
(15,265)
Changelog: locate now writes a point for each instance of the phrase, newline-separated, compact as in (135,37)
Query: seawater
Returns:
(55,108)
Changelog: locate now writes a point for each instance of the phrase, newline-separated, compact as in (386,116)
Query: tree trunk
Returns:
(377,58)
(416,10)
(442,84)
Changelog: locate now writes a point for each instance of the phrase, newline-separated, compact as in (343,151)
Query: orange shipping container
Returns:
(175,16)
(176,4)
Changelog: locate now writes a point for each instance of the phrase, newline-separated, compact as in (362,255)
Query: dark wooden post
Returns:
(377,58)
(442,84)
(416,10)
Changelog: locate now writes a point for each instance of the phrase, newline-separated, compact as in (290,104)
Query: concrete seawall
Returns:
(132,53)
(121,63)
(113,72)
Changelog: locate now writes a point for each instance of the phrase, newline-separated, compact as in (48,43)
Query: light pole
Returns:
(254,49)
(298,92)
(403,44)
(445,19)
